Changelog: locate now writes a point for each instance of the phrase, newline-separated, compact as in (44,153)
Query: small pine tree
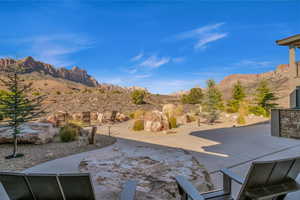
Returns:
(138,96)
(16,106)
(264,97)
(238,95)
(213,101)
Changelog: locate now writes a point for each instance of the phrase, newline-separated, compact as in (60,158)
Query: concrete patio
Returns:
(234,148)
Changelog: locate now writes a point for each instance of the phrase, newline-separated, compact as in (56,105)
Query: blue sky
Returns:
(164,46)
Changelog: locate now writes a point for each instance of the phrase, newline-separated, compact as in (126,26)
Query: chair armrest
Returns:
(188,189)
(232,176)
(128,192)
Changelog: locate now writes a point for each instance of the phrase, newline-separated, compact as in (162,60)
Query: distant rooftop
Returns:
(292,40)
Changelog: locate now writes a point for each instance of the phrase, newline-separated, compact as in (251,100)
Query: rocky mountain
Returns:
(282,80)
(30,65)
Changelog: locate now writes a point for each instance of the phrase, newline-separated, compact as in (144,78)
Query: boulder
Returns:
(32,132)
(60,118)
(121,117)
(155,121)
(169,109)
(109,116)
(94,116)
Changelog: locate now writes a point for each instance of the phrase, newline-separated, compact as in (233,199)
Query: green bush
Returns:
(258,111)
(139,114)
(138,96)
(1,116)
(131,115)
(69,132)
(172,122)
(195,96)
(232,106)
(138,125)
(36,93)
(241,119)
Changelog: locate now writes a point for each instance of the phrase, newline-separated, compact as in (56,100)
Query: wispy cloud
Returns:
(137,57)
(253,63)
(155,62)
(56,49)
(204,35)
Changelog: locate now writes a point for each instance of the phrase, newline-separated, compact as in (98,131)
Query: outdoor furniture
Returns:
(264,181)
(20,186)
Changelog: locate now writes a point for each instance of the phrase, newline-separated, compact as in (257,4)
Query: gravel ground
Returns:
(36,154)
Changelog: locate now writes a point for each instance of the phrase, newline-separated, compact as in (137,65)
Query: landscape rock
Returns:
(153,167)
(169,109)
(32,133)
(155,121)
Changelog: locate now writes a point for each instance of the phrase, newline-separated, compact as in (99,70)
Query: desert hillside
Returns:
(76,91)
(282,80)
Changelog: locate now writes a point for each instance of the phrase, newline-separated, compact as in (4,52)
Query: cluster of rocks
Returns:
(153,167)
(31,132)
(156,120)
(61,118)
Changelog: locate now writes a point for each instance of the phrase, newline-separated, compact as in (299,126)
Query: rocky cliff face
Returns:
(30,65)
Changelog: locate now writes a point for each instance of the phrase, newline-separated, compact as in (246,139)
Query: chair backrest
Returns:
(45,186)
(270,173)
(77,186)
(16,186)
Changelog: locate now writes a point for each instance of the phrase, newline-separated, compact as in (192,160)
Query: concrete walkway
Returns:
(234,148)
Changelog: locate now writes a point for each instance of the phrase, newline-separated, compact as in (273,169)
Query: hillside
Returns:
(282,80)
(76,91)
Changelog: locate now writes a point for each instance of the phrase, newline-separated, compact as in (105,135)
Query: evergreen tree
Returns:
(16,106)
(195,96)
(238,95)
(213,101)
(264,97)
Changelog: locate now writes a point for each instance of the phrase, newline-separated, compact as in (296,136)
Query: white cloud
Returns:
(142,76)
(204,35)
(56,49)
(155,62)
(137,57)
(208,39)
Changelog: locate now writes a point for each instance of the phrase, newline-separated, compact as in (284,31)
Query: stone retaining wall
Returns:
(285,123)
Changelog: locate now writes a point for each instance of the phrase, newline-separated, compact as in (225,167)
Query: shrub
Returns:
(58,92)
(195,96)
(138,125)
(36,93)
(172,122)
(131,115)
(138,96)
(1,116)
(258,111)
(138,114)
(232,106)
(241,119)
(116,92)
(69,132)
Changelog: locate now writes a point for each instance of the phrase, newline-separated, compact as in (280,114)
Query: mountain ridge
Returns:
(29,65)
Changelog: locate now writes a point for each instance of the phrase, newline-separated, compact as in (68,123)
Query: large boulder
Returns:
(155,121)
(32,133)
(169,109)
(121,117)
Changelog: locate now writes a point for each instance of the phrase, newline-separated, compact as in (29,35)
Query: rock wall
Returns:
(286,123)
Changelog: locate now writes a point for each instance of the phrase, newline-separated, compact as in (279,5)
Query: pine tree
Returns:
(238,96)
(264,97)
(213,101)
(16,106)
